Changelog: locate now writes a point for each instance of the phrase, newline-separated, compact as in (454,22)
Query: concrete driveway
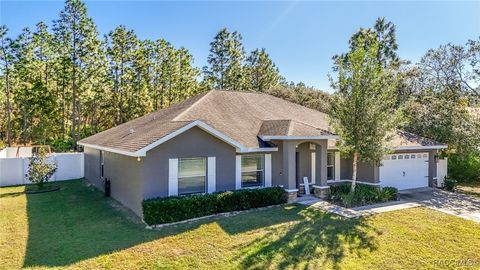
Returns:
(457,204)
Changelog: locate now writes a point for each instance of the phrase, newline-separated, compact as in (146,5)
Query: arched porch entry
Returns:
(305,158)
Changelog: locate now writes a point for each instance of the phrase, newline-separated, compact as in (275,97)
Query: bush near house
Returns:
(450,184)
(178,208)
(363,195)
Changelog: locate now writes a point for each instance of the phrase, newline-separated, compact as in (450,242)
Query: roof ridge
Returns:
(189,107)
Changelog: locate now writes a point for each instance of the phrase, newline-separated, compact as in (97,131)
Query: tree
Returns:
(260,71)
(225,61)
(383,35)
(6,58)
(122,45)
(453,68)
(77,36)
(363,111)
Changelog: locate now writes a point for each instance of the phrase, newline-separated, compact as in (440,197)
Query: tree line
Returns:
(64,82)
(377,92)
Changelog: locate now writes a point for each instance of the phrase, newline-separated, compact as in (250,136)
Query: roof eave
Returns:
(286,138)
(421,147)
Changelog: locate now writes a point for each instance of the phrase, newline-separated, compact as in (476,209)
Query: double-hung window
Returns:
(330,166)
(192,175)
(253,170)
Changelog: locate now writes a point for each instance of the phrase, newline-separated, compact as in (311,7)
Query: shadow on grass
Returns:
(313,234)
(79,223)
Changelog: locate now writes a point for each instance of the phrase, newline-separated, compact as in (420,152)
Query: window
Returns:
(412,156)
(330,166)
(407,156)
(425,155)
(252,170)
(192,175)
(394,157)
(400,156)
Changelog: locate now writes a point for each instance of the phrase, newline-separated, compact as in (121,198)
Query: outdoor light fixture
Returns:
(139,158)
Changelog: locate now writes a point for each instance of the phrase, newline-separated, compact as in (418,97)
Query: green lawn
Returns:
(77,227)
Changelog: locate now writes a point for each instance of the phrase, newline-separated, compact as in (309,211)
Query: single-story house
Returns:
(227,140)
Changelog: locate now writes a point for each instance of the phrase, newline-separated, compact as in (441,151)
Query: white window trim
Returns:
(337,166)
(211,174)
(173,177)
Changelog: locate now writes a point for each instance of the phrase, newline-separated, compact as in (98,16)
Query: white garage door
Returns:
(405,171)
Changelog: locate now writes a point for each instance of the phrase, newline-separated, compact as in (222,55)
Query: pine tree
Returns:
(77,35)
(6,58)
(261,72)
(122,44)
(225,61)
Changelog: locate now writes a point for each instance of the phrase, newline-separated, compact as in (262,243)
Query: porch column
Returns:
(288,171)
(321,187)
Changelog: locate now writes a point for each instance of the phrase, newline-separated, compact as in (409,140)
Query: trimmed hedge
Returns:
(178,208)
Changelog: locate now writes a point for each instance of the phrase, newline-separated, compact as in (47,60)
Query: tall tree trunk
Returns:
(354,171)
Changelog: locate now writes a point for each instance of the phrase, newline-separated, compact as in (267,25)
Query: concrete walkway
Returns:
(326,206)
(464,206)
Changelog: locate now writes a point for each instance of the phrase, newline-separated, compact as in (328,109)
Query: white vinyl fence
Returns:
(13,170)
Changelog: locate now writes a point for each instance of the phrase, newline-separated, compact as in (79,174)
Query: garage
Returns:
(405,171)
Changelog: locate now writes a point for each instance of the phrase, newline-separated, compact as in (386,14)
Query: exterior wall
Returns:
(278,164)
(370,173)
(193,143)
(365,172)
(125,174)
(304,162)
(126,180)
(92,167)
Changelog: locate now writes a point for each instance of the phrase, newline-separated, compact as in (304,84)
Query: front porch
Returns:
(305,159)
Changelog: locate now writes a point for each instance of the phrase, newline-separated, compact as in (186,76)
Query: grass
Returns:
(77,228)
(472,188)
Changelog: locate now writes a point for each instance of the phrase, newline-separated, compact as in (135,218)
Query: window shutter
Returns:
(238,172)
(173,177)
(211,175)
(314,167)
(268,170)
(337,166)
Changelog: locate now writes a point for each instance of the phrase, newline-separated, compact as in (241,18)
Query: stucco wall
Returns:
(92,167)
(365,172)
(192,143)
(126,179)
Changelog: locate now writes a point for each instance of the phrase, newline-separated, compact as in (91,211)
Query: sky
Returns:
(301,37)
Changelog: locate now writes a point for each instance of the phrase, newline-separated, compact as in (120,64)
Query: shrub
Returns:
(173,209)
(40,169)
(464,167)
(388,194)
(363,195)
(450,184)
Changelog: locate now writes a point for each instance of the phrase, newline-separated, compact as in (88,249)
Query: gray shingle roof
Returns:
(242,116)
